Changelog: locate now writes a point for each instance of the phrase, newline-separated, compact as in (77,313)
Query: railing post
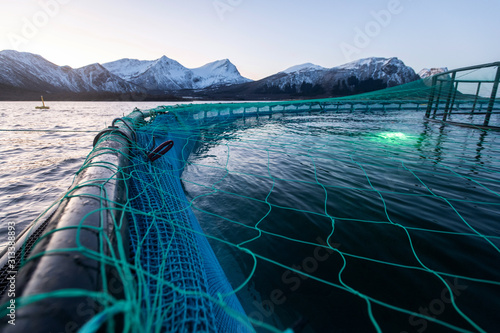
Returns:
(431,97)
(492,98)
(454,97)
(450,92)
(438,98)
(477,96)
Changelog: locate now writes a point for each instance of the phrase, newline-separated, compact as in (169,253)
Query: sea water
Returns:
(41,150)
(406,207)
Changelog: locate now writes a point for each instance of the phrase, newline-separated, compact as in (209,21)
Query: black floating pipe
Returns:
(95,200)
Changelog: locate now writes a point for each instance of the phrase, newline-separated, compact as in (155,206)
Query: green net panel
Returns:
(168,243)
(365,213)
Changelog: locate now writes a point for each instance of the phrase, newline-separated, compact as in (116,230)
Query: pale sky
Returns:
(261,37)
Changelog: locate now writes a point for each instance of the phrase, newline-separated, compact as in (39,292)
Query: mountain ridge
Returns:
(33,72)
(314,81)
(164,77)
(166,74)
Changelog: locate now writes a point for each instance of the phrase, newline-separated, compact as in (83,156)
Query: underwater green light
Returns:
(393,135)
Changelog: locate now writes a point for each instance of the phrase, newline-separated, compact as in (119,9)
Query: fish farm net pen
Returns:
(372,212)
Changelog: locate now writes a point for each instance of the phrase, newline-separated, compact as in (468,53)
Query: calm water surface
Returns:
(398,199)
(36,168)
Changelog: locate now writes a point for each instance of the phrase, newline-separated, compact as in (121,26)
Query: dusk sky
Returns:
(261,37)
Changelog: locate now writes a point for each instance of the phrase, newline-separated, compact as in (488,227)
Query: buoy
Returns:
(43,105)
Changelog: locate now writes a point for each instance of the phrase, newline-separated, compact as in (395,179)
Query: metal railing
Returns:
(445,94)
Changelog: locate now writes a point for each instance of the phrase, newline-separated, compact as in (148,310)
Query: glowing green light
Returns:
(393,135)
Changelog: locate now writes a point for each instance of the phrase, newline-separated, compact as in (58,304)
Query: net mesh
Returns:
(384,222)
(169,244)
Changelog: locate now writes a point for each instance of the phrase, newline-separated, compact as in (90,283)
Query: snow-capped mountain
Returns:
(163,74)
(355,77)
(307,67)
(391,71)
(166,74)
(95,78)
(217,73)
(33,72)
(427,72)
(128,69)
(23,74)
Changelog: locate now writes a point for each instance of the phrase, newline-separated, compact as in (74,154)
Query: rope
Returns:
(328,218)
(46,131)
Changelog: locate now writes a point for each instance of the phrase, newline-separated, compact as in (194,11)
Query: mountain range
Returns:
(427,72)
(309,80)
(165,74)
(25,76)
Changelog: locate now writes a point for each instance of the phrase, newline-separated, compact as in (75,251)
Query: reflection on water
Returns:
(342,218)
(480,147)
(441,137)
(38,167)
(399,197)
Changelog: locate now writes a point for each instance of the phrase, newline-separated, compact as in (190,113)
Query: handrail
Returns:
(469,68)
(448,90)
